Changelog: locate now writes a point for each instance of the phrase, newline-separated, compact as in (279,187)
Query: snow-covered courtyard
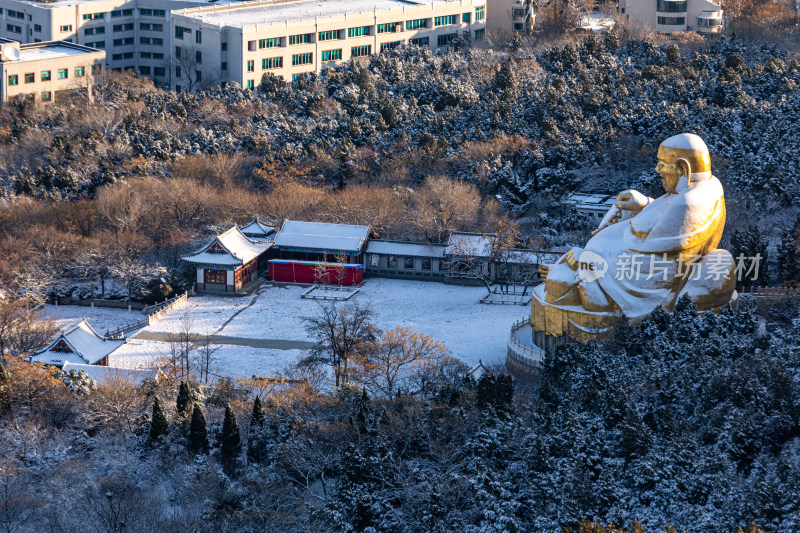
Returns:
(253,326)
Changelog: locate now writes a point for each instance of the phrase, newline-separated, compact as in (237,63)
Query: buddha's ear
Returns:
(684,168)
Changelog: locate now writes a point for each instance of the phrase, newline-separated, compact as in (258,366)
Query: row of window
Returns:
(145,12)
(709,23)
(46,75)
(393,262)
(361,31)
(155,71)
(671,6)
(671,21)
(143,55)
(154,41)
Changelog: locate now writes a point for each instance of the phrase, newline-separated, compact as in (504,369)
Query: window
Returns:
(100,45)
(146,55)
(445,20)
(374,260)
(389,46)
(269,43)
(390,27)
(37,28)
(273,62)
(144,70)
(198,56)
(94,31)
(80,72)
(151,40)
(480,34)
(16,14)
(198,75)
(330,35)
(159,13)
(159,71)
(300,76)
(87,16)
(116,57)
(45,75)
(151,27)
(15,29)
(127,12)
(179,31)
(63,74)
(416,24)
(671,6)
(332,55)
(408,263)
(391,261)
(215,276)
(465,18)
(99,16)
(223,47)
(518,12)
(303,38)
(223,65)
(47,96)
(30,77)
(358,32)
(145,12)
(480,13)
(250,84)
(709,22)
(445,40)
(121,42)
(426,264)
(178,52)
(198,37)
(251,66)
(422,41)
(13,79)
(671,21)
(251,46)
(30,97)
(116,13)
(359,51)
(302,59)
(96,69)
(177,72)
(178,88)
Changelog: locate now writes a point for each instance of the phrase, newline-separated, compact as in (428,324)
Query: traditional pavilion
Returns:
(81,345)
(229,262)
(316,252)
(257,231)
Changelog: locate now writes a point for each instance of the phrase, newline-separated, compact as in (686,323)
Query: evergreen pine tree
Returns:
(5,383)
(258,416)
(362,416)
(231,444)
(158,425)
(183,400)
(198,437)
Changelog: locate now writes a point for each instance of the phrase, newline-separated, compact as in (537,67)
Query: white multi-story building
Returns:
(134,33)
(511,15)
(241,42)
(187,44)
(668,16)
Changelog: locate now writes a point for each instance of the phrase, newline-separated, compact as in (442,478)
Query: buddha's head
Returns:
(683,155)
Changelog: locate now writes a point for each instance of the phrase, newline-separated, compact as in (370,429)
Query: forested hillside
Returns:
(686,420)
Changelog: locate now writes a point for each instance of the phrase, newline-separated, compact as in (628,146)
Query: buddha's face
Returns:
(669,174)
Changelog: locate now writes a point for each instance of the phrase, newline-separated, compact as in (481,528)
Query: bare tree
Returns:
(388,369)
(443,205)
(342,333)
(207,351)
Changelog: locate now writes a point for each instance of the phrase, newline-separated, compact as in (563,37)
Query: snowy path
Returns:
(271,344)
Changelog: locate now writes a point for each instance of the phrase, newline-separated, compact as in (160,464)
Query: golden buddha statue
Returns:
(645,253)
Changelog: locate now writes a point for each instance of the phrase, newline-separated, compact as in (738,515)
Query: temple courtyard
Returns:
(264,333)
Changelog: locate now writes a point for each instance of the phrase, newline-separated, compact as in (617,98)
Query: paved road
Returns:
(274,344)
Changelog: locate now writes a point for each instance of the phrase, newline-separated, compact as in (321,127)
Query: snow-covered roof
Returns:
(80,345)
(256,229)
(231,248)
(408,249)
(103,374)
(469,244)
(591,201)
(322,236)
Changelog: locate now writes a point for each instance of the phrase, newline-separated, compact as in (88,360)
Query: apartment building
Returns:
(668,16)
(134,33)
(240,42)
(509,16)
(47,71)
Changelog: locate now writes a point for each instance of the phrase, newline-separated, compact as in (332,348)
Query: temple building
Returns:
(257,231)
(229,263)
(309,252)
(80,345)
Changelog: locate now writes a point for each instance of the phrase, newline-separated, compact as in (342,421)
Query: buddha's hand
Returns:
(632,201)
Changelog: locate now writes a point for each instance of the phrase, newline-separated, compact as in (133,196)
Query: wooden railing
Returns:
(769,291)
(154,313)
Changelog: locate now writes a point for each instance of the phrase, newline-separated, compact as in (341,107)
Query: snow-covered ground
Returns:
(100,318)
(452,314)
